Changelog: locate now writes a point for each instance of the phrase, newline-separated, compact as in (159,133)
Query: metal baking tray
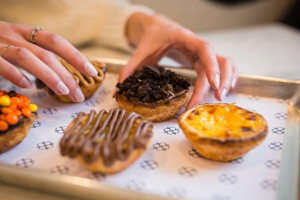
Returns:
(83,188)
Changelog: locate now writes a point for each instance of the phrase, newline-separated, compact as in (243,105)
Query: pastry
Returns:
(106,142)
(17,116)
(88,85)
(153,92)
(223,132)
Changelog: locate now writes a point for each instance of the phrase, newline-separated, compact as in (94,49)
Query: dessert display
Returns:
(223,132)
(17,116)
(153,92)
(88,85)
(106,142)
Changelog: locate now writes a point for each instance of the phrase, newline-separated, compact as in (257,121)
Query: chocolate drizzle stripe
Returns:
(108,136)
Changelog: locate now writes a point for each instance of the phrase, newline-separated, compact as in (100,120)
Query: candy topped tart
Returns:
(17,115)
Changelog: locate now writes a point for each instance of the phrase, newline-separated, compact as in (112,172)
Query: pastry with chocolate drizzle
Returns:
(88,85)
(155,93)
(106,142)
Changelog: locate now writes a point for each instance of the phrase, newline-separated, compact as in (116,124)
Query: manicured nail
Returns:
(25,83)
(90,69)
(217,81)
(62,88)
(233,83)
(78,95)
(223,94)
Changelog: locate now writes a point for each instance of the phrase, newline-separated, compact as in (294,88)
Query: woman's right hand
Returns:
(18,49)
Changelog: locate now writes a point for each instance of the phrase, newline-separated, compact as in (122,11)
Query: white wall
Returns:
(202,15)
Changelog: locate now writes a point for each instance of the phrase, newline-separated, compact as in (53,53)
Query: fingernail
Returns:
(25,83)
(90,69)
(223,94)
(79,95)
(217,81)
(233,83)
(62,88)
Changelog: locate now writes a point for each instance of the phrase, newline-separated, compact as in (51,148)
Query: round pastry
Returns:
(223,132)
(154,93)
(17,116)
(106,142)
(88,85)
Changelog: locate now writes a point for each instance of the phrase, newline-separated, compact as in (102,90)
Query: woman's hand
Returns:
(156,36)
(39,60)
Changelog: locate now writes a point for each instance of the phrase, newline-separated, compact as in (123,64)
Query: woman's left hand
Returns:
(156,36)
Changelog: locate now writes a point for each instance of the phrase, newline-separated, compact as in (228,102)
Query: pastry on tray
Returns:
(106,142)
(88,85)
(153,92)
(17,116)
(223,132)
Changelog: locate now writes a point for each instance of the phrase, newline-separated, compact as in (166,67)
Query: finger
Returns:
(62,48)
(226,70)
(11,73)
(206,53)
(23,57)
(235,76)
(143,55)
(200,91)
(51,61)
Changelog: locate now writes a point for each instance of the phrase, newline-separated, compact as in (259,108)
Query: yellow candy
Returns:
(4,100)
(33,107)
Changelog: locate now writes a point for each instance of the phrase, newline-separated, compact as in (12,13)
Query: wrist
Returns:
(136,27)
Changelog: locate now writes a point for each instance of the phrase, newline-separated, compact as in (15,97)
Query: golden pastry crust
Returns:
(106,142)
(223,132)
(16,135)
(156,112)
(88,85)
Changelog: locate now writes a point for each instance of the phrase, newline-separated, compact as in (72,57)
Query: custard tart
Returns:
(106,142)
(223,132)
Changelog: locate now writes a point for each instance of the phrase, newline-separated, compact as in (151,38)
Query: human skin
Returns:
(154,36)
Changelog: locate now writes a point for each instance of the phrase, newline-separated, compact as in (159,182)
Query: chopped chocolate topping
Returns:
(12,93)
(152,84)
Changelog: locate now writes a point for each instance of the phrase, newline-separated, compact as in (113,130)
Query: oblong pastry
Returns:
(153,92)
(88,85)
(106,142)
(223,132)
(17,116)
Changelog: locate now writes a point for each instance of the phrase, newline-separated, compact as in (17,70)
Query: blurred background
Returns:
(207,15)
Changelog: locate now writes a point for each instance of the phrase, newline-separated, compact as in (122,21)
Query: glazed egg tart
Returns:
(88,85)
(223,132)
(153,92)
(106,142)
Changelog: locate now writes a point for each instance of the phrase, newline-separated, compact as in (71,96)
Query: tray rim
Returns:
(33,177)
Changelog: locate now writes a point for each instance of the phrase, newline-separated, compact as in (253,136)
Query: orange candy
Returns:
(18,113)
(6,110)
(3,125)
(15,100)
(12,119)
(26,112)
(13,108)
(2,117)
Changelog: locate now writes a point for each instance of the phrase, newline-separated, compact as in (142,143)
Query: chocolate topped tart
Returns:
(106,142)
(155,93)
(88,85)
